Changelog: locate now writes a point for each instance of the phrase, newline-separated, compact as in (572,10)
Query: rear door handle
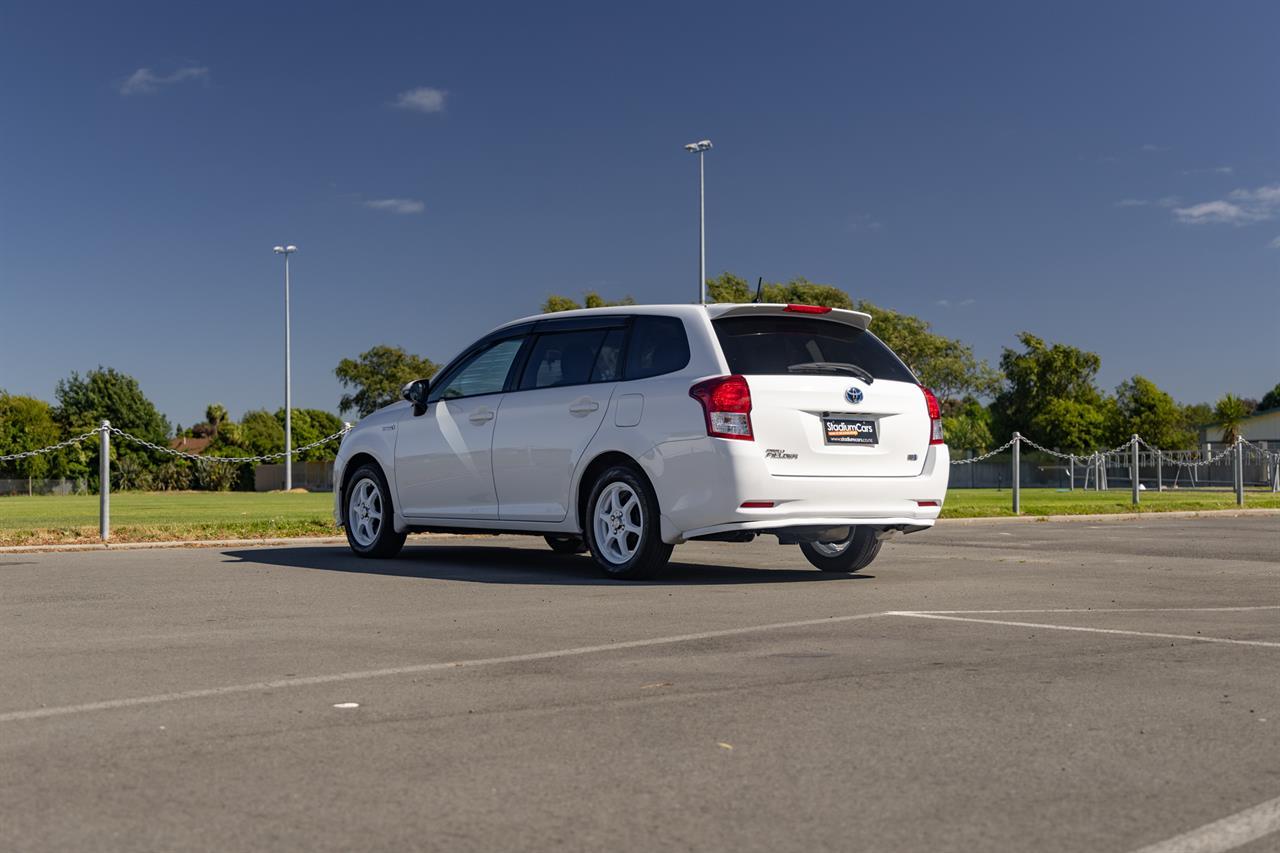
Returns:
(583,407)
(481,416)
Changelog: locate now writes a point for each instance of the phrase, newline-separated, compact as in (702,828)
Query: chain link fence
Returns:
(1133,462)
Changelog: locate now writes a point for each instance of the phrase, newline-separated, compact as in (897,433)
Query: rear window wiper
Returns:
(832,367)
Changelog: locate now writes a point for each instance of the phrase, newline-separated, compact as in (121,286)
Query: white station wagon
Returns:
(626,431)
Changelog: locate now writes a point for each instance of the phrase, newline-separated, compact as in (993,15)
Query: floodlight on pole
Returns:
(288,373)
(701,148)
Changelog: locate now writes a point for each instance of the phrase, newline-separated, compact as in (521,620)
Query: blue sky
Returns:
(1100,174)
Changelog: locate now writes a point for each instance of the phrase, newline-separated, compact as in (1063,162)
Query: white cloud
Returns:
(947,303)
(1241,207)
(1212,170)
(144,81)
(423,99)
(1274,244)
(864,222)
(396,205)
(1152,148)
(1132,202)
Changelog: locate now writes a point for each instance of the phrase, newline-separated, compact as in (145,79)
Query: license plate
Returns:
(850,431)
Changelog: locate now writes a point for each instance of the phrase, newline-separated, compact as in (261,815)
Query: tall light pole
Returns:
(701,148)
(288,373)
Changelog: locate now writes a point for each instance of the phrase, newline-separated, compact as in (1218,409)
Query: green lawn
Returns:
(981,503)
(157,516)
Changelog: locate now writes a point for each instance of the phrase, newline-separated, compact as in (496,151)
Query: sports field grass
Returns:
(160,516)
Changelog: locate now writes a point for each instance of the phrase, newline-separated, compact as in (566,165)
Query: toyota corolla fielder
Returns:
(625,431)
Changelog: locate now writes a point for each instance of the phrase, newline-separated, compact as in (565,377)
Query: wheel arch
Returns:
(352,465)
(594,469)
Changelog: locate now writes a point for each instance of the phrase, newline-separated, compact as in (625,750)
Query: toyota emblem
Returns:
(854,394)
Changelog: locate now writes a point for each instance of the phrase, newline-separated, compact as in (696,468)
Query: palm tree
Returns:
(1228,414)
(216,415)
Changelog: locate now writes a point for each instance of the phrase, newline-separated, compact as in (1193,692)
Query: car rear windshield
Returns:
(767,344)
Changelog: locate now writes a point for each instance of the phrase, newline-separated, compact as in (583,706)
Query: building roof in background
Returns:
(190,445)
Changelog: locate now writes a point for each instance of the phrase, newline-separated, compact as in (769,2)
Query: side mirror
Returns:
(416,392)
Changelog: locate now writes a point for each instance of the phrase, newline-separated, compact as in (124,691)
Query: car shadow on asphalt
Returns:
(490,564)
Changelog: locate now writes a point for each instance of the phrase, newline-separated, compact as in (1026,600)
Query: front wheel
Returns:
(369,526)
(850,554)
(621,525)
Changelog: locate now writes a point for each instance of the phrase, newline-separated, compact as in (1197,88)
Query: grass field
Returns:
(159,516)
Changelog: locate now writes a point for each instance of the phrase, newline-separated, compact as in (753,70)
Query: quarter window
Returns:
(658,345)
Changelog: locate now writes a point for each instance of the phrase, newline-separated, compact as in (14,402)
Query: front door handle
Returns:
(583,407)
(481,416)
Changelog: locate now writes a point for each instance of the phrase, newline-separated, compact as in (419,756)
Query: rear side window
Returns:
(764,345)
(658,345)
(564,358)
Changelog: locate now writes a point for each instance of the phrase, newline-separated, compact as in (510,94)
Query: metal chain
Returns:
(1044,449)
(986,455)
(196,458)
(1266,453)
(50,449)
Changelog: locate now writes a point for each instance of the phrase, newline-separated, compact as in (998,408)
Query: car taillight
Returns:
(935,416)
(808,309)
(726,402)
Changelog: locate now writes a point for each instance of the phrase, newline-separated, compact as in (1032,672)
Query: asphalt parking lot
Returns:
(1108,686)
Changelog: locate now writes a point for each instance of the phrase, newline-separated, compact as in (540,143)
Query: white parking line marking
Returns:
(308,681)
(1115,610)
(1160,636)
(1227,834)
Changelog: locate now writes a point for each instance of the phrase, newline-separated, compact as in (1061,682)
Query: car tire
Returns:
(368,514)
(848,555)
(621,525)
(566,544)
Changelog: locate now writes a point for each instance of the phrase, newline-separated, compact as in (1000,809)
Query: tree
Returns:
(968,427)
(105,393)
(556,303)
(260,433)
(1142,408)
(1050,396)
(378,375)
(215,415)
(311,425)
(28,424)
(1228,414)
(1271,399)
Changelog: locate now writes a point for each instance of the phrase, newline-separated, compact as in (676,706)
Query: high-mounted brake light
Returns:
(807,309)
(726,403)
(935,416)
(756,505)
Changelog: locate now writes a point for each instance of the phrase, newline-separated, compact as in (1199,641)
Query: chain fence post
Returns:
(1017,478)
(1239,472)
(1134,479)
(1072,469)
(1275,472)
(1159,470)
(104,481)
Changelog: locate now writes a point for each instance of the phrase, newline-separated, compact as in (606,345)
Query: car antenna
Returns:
(759,289)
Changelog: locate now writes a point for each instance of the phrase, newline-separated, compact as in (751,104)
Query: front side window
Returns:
(658,345)
(485,372)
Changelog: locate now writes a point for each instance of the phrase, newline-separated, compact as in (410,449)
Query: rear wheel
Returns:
(621,525)
(566,544)
(846,555)
(368,515)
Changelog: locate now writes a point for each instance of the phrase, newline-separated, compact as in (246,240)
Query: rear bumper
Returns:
(703,483)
